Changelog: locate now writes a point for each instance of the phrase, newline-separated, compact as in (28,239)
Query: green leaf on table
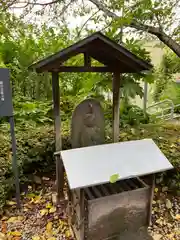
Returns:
(114,178)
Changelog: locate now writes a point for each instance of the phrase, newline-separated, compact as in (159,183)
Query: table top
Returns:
(95,165)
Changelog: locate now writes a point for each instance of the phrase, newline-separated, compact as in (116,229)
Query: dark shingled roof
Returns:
(102,49)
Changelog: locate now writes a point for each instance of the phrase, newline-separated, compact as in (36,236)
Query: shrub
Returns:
(35,149)
(129,114)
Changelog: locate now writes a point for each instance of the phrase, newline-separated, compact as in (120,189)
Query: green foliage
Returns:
(36,113)
(35,150)
(172,92)
(171,63)
(23,45)
(135,46)
(32,111)
(165,87)
(134,115)
(27,43)
(129,114)
(148,17)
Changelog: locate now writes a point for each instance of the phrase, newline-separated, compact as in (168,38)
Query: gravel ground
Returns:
(40,218)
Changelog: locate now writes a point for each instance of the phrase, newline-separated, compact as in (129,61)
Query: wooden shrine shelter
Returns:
(115,59)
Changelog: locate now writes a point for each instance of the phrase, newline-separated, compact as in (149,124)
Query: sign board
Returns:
(6,107)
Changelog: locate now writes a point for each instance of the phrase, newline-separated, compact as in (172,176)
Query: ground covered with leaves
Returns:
(40,218)
(165,215)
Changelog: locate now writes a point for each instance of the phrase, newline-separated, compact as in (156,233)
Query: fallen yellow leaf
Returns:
(63,229)
(177,217)
(61,223)
(30,195)
(36,200)
(49,227)
(36,238)
(156,209)
(56,231)
(170,236)
(52,210)
(49,205)
(68,233)
(156,190)
(15,234)
(43,212)
(12,219)
(15,219)
(168,204)
(10,203)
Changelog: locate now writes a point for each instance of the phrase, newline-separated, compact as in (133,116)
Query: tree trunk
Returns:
(163,37)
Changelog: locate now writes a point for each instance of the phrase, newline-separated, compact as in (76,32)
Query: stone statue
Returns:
(87,127)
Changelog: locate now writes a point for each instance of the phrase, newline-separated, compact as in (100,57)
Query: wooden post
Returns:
(57,127)
(87,60)
(116,102)
(152,187)
(14,161)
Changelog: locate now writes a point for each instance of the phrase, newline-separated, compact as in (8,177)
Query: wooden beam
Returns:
(116,103)
(61,68)
(81,226)
(57,128)
(83,69)
(87,60)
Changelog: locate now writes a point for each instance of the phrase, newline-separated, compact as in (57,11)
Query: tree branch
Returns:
(163,37)
(84,24)
(42,4)
(28,2)
(16,7)
(7,4)
(66,7)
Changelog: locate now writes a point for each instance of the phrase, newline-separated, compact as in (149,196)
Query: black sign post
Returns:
(6,110)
